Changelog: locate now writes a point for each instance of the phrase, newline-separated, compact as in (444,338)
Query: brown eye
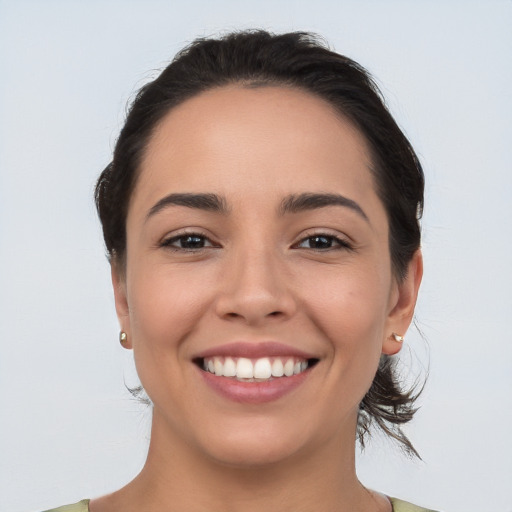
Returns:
(188,242)
(192,242)
(320,242)
(323,242)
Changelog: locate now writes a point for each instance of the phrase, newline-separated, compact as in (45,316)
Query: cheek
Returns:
(165,307)
(350,309)
(349,303)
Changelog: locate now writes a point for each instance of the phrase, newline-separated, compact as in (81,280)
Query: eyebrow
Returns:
(310,201)
(294,203)
(208,202)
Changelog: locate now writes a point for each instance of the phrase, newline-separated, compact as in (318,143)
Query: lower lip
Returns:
(254,392)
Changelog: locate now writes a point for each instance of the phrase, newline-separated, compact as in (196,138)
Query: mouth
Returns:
(255,373)
(262,369)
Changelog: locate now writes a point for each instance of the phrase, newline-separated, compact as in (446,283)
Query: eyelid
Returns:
(343,241)
(167,240)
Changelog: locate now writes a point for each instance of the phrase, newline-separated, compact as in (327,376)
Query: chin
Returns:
(251,455)
(260,443)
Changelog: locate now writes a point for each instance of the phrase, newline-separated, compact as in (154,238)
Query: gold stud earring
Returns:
(397,337)
(123,337)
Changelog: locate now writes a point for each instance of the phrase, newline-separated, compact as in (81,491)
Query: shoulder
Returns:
(404,506)
(81,506)
(398,506)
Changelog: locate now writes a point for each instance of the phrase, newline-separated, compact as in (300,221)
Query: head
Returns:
(289,66)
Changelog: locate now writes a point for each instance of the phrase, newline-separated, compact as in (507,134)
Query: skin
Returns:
(258,278)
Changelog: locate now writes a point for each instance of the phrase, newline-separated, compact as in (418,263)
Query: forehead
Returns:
(244,141)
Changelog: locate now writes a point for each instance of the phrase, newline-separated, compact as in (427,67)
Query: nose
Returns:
(256,288)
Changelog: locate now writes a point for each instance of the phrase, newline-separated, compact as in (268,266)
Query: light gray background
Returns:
(68,428)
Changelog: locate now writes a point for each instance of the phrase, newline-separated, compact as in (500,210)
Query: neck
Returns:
(177,477)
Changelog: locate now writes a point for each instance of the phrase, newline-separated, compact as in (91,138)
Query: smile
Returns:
(254,373)
(255,370)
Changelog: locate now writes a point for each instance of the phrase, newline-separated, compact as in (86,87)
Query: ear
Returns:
(121,301)
(403,302)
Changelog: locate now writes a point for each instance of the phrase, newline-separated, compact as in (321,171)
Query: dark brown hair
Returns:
(300,60)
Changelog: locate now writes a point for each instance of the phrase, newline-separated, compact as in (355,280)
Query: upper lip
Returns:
(254,350)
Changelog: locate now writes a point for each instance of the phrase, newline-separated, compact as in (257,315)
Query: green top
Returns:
(81,506)
(398,506)
(404,506)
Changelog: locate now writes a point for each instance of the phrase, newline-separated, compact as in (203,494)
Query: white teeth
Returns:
(229,368)
(218,366)
(244,368)
(277,368)
(288,368)
(262,369)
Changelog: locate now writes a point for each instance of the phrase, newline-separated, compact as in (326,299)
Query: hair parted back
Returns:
(256,58)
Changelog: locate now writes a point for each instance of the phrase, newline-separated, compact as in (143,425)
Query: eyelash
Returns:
(167,243)
(340,243)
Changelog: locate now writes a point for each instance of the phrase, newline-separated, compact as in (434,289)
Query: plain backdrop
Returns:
(68,427)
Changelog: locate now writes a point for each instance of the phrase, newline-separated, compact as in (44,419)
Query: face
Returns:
(258,293)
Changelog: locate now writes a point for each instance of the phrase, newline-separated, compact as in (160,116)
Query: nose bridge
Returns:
(254,284)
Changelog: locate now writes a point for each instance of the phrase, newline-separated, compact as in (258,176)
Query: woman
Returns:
(261,217)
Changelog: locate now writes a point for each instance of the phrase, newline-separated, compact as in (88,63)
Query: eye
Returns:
(188,242)
(323,242)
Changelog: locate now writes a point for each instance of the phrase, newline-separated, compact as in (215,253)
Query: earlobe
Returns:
(392,344)
(121,302)
(402,312)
